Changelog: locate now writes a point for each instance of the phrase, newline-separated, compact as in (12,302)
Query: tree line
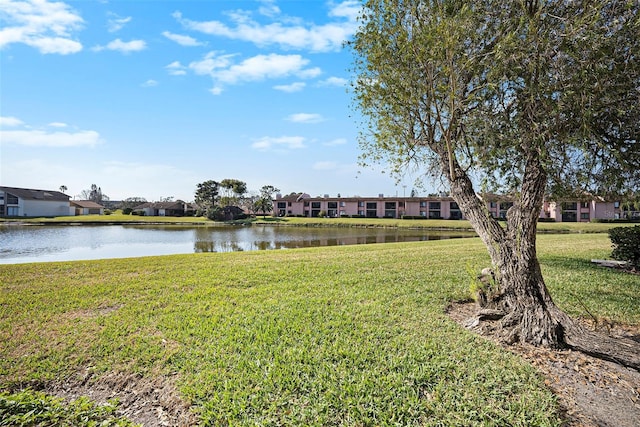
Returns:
(213,197)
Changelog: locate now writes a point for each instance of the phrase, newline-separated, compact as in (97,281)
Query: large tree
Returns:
(206,197)
(232,191)
(94,194)
(528,97)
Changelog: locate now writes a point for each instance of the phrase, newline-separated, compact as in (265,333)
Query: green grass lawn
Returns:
(352,336)
(439,224)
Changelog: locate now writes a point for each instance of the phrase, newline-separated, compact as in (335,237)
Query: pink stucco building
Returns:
(434,207)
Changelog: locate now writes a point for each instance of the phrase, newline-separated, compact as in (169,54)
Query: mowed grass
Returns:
(353,336)
(435,224)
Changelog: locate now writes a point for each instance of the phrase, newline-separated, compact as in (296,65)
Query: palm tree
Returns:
(63,188)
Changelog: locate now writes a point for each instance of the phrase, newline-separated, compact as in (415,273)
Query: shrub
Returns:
(626,244)
(107,211)
(127,211)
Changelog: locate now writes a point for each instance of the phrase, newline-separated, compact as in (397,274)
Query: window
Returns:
(493,205)
(361,204)
(332,205)
(342,204)
(454,212)
(289,204)
(306,204)
(584,215)
(584,205)
(12,211)
(616,205)
(1,210)
(434,206)
(282,205)
(434,214)
(11,199)
(569,206)
(372,210)
(315,205)
(423,204)
(390,209)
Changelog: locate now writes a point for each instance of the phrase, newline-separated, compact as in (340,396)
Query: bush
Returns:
(626,244)
(107,212)
(127,211)
(546,220)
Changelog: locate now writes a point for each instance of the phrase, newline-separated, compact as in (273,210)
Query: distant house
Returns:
(585,210)
(177,208)
(26,202)
(86,207)
(230,213)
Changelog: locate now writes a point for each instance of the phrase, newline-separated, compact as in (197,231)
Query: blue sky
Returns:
(149,98)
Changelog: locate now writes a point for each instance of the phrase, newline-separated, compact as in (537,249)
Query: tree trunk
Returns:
(522,302)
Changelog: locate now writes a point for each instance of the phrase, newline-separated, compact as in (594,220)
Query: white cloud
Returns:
(305,118)
(124,47)
(181,39)
(224,71)
(43,25)
(333,81)
(10,122)
(287,142)
(115,22)
(40,138)
(293,87)
(149,83)
(211,63)
(269,8)
(324,166)
(176,69)
(289,34)
(58,125)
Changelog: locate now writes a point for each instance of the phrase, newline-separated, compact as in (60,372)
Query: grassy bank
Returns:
(435,224)
(325,336)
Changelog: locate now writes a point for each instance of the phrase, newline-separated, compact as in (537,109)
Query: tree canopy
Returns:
(528,97)
(486,86)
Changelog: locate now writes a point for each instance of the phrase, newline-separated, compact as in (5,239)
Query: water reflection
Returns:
(64,243)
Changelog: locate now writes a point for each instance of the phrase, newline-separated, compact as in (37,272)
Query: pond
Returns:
(21,244)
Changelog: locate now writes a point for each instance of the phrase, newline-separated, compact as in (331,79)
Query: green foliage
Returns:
(127,211)
(626,244)
(37,409)
(492,87)
(206,196)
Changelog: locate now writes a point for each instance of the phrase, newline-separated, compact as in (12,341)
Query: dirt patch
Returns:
(150,402)
(591,392)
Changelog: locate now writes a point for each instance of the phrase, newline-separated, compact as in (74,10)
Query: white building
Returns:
(25,202)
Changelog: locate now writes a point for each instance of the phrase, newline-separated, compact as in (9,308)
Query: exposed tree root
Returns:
(516,326)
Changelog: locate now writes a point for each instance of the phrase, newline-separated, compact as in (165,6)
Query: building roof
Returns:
(32,194)
(89,204)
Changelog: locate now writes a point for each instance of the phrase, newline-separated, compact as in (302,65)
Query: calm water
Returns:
(20,244)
